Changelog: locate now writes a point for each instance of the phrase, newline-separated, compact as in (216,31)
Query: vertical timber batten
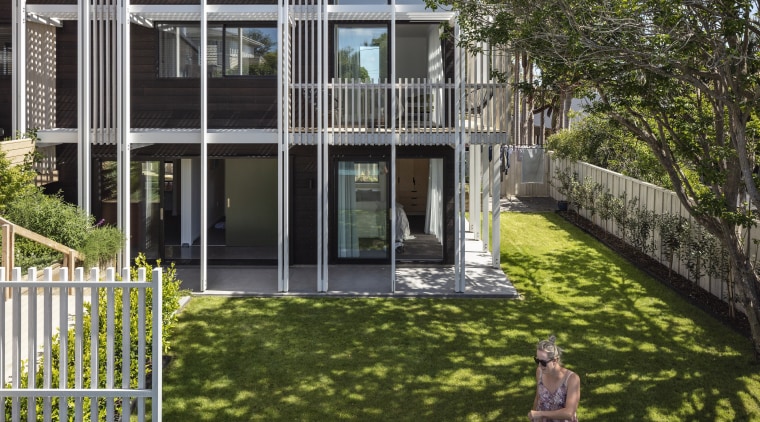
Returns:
(323,159)
(459,231)
(282,144)
(18,89)
(123,105)
(84,105)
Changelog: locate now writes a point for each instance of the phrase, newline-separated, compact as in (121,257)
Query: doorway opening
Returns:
(419,210)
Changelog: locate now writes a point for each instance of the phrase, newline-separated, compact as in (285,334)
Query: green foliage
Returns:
(580,194)
(107,339)
(600,141)
(15,181)
(51,216)
(673,228)
(641,226)
(698,251)
(101,246)
(171,292)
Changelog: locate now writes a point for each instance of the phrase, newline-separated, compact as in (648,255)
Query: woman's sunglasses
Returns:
(542,362)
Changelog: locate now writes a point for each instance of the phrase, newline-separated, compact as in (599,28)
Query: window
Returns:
(248,51)
(6,55)
(179,50)
(361,52)
(233,50)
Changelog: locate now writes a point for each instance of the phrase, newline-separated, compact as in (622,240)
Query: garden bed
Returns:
(680,284)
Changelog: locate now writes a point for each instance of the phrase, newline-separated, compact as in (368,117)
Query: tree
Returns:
(14,180)
(603,142)
(681,76)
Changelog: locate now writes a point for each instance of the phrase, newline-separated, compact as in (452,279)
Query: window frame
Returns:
(222,27)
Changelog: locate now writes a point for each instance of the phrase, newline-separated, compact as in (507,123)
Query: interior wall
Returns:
(411,54)
(251,202)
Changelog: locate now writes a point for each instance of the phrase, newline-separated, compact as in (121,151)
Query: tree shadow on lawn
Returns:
(352,359)
(642,351)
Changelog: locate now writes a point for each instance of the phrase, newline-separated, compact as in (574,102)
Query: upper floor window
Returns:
(361,52)
(232,50)
(179,50)
(6,55)
(246,51)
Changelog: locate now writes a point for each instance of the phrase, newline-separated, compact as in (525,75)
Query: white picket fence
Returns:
(650,197)
(42,307)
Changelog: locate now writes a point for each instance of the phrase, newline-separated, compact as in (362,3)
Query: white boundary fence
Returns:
(650,197)
(30,328)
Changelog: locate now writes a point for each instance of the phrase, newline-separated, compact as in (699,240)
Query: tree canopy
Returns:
(681,76)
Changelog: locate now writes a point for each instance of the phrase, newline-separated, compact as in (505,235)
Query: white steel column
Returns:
(484,192)
(123,105)
(496,206)
(282,147)
(204,147)
(18,90)
(475,163)
(394,140)
(84,106)
(322,154)
(459,229)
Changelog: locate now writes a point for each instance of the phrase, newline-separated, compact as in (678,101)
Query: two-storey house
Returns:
(257,132)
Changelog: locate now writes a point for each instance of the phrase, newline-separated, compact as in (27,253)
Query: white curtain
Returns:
(348,237)
(434,214)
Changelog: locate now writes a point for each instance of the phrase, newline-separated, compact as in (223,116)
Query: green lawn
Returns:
(641,351)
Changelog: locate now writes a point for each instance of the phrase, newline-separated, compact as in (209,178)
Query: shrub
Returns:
(65,223)
(15,181)
(51,216)
(101,246)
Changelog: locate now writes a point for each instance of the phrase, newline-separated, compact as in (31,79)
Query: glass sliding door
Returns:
(362,210)
(146,211)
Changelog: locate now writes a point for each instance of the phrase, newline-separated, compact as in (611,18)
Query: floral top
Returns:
(553,401)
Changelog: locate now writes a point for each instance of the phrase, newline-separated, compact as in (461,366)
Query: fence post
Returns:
(158,348)
(7,256)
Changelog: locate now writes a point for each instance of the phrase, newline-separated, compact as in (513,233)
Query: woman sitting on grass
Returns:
(558,389)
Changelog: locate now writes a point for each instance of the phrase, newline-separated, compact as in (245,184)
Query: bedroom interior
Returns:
(419,210)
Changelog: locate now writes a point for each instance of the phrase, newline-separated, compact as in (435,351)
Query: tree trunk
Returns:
(746,282)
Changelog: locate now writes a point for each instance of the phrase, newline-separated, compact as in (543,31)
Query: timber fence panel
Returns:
(52,348)
(650,198)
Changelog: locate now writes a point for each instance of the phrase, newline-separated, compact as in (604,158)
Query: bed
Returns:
(402,228)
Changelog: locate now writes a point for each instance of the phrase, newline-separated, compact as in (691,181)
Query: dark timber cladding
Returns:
(303,206)
(234,102)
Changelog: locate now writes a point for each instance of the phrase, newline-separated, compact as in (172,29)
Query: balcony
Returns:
(415,111)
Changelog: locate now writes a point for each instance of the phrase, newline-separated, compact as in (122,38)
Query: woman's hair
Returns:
(551,349)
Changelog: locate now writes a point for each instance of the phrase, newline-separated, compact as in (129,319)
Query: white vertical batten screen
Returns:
(84,104)
(18,90)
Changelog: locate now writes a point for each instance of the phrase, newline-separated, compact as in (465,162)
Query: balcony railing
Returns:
(408,106)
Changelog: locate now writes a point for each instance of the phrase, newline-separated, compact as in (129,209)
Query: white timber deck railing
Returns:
(30,342)
(414,108)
